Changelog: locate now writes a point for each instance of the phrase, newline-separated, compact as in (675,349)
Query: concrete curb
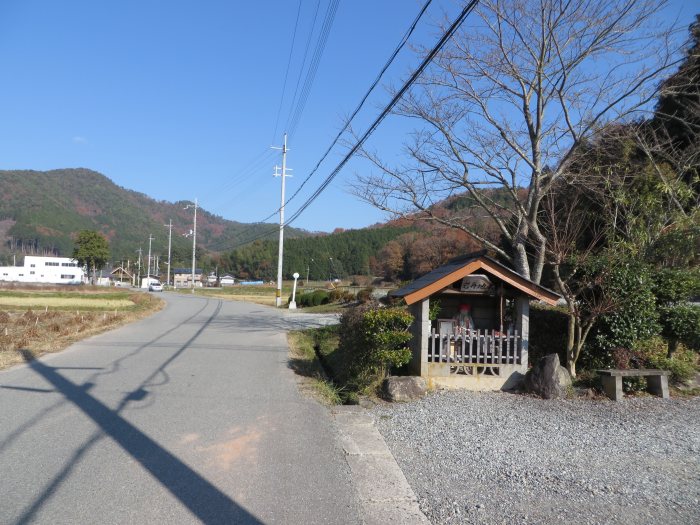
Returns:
(384,494)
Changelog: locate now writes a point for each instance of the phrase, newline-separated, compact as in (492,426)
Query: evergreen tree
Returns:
(678,108)
(91,250)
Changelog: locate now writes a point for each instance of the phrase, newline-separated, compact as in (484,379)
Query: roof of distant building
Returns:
(188,271)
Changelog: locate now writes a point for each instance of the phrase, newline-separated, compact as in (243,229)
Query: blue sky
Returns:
(179,99)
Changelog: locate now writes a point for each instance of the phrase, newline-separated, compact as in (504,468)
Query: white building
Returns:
(47,270)
(148,281)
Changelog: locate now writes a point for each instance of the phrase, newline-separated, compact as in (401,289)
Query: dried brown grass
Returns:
(41,332)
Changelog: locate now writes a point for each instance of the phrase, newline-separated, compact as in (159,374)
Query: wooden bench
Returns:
(657,381)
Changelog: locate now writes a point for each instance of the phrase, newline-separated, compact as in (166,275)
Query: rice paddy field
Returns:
(37,320)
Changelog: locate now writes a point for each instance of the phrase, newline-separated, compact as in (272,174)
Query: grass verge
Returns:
(265,295)
(330,308)
(305,363)
(40,325)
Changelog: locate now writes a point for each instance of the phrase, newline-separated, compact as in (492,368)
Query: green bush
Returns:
(683,366)
(340,296)
(312,298)
(374,341)
(673,285)
(634,318)
(681,322)
(301,299)
(319,297)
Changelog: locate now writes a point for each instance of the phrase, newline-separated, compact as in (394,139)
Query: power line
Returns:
(426,61)
(303,62)
(295,116)
(289,62)
(391,59)
(240,173)
(219,196)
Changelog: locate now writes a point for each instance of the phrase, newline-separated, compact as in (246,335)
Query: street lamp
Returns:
(293,303)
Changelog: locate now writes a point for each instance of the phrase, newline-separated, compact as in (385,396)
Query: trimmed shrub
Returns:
(374,341)
(315,298)
(320,297)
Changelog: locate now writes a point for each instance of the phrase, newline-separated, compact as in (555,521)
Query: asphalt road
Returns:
(190,416)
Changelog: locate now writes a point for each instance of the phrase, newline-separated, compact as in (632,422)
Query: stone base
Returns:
(612,386)
(509,379)
(658,385)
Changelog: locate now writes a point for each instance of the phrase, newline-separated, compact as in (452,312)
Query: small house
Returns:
(227,280)
(120,276)
(478,336)
(182,277)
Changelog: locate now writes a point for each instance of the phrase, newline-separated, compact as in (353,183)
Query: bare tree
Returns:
(574,245)
(507,104)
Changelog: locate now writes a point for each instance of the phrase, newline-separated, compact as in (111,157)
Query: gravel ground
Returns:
(503,458)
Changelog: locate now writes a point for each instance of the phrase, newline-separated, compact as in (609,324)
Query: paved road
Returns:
(189,416)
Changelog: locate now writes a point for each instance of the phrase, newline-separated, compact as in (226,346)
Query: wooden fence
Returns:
(476,347)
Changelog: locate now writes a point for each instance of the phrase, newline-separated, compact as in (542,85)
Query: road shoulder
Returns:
(383,492)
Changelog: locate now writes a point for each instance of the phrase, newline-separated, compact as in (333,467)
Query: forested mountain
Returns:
(397,250)
(41,211)
(325,257)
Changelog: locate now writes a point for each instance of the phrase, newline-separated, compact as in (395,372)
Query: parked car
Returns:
(155,287)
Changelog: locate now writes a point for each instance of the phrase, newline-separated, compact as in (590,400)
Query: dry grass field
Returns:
(264,294)
(39,320)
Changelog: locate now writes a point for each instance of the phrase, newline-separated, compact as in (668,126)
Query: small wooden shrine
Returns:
(478,337)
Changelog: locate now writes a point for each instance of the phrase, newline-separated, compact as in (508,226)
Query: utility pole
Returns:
(170,242)
(148,273)
(306,283)
(278,295)
(138,275)
(194,238)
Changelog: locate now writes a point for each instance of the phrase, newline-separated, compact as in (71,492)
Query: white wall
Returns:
(47,270)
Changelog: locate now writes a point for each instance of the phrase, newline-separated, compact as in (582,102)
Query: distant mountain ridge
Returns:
(40,212)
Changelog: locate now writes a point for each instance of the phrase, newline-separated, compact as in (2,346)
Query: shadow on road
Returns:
(202,498)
